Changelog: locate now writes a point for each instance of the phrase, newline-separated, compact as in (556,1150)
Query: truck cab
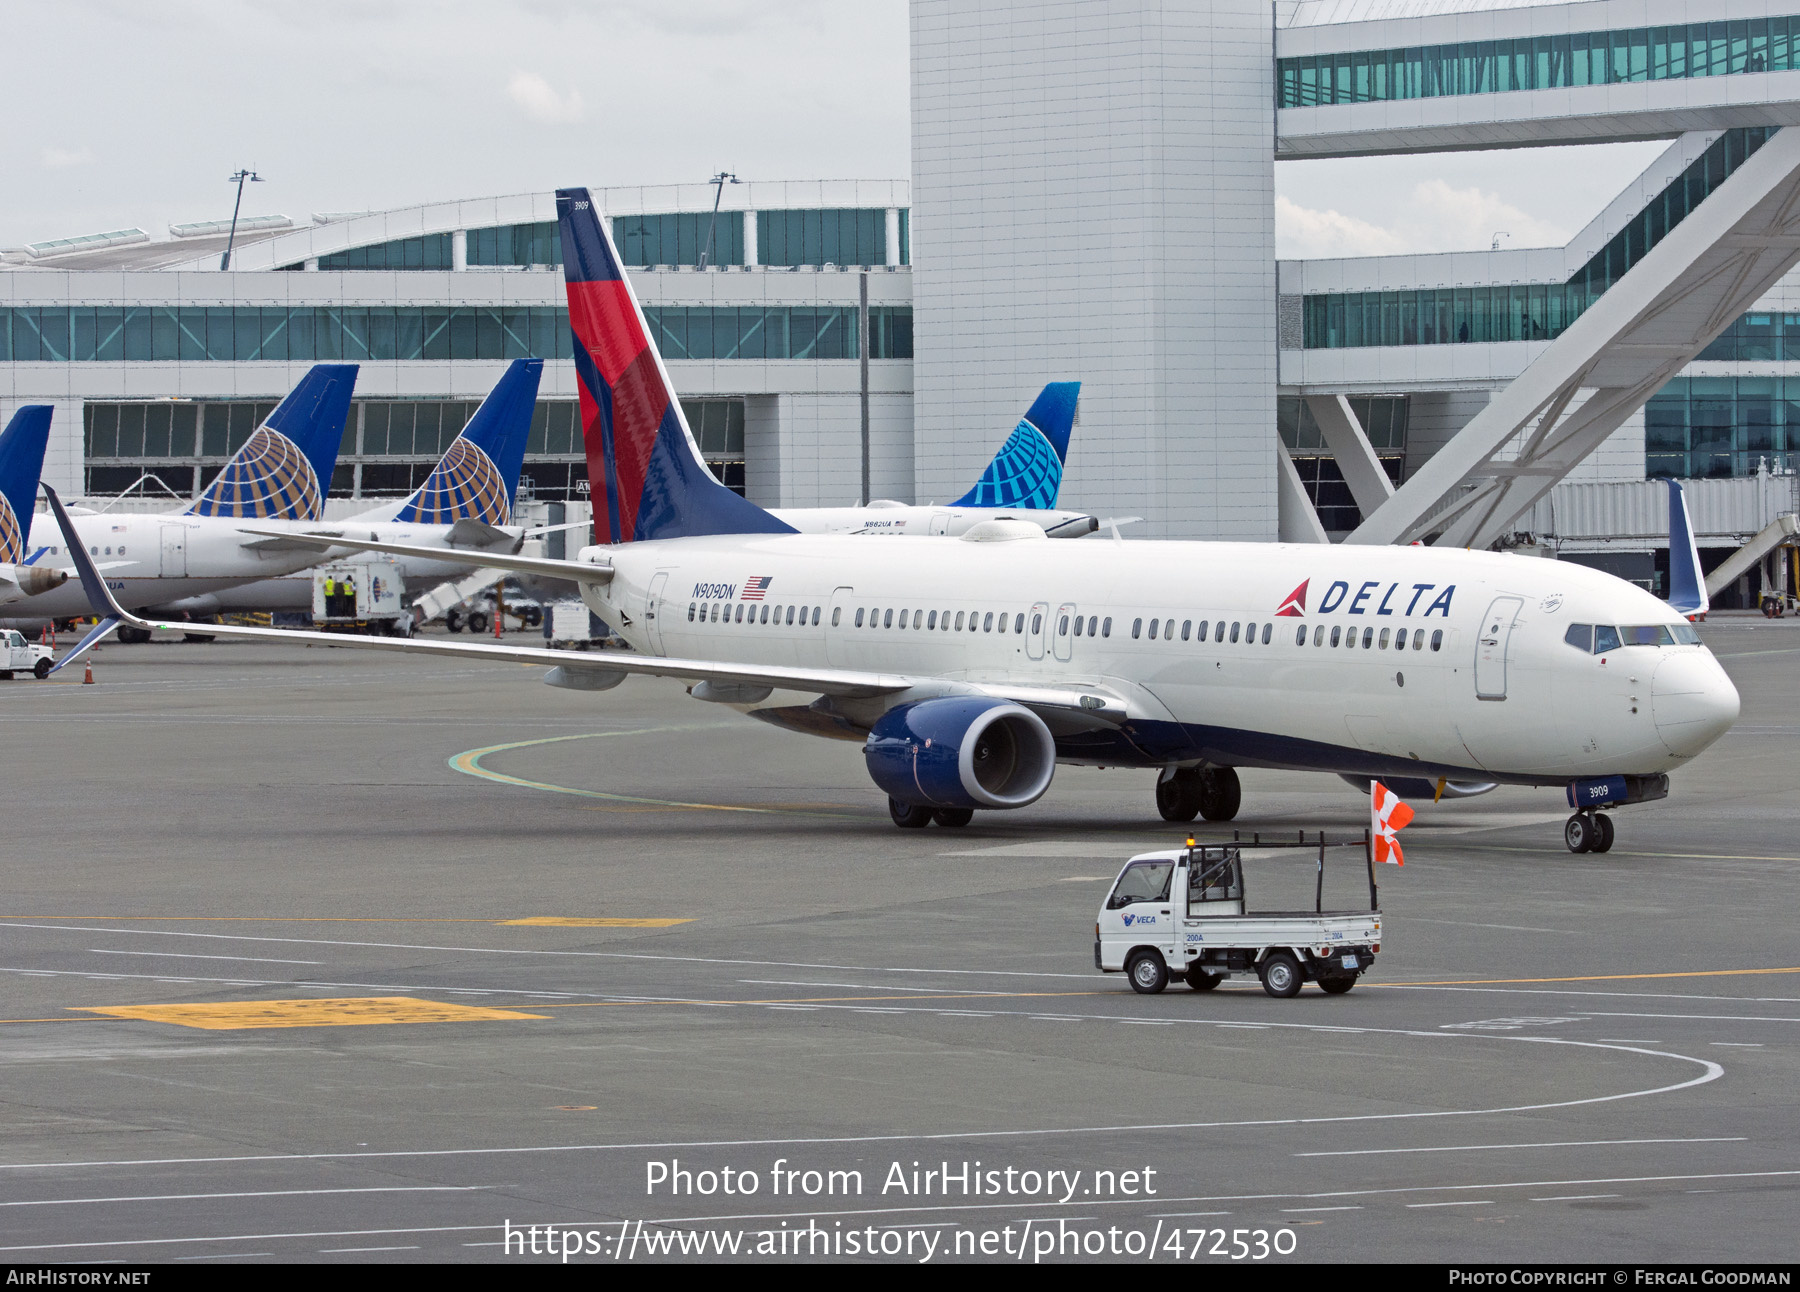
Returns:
(23,656)
(1182,913)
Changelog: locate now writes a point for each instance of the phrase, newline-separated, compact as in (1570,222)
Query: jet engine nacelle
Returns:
(961,752)
(1420,790)
(18,581)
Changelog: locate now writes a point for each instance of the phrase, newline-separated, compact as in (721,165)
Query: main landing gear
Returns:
(1589,832)
(1182,793)
(915,816)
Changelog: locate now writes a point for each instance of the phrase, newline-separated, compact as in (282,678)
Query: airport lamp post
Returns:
(238,179)
(718,182)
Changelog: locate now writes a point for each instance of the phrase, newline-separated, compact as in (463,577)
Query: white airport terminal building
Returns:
(1093,198)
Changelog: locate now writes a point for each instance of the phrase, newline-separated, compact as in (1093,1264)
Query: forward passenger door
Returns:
(1491,646)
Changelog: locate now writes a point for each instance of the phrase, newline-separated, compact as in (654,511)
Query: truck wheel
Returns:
(478,622)
(532,617)
(953,817)
(41,669)
(1178,793)
(1280,975)
(1148,973)
(5,675)
(909,816)
(1579,833)
(1603,840)
(1337,984)
(1220,793)
(453,619)
(1200,980)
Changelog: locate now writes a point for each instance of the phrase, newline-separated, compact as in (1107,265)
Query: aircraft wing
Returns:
(543,566)
(272,542)
(1095,706)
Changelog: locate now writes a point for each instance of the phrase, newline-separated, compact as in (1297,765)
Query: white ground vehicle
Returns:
(1182,912)
(361,595)
(23,656)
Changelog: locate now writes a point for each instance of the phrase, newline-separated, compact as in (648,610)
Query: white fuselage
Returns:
(902,520)
(1521,705)
(195,562)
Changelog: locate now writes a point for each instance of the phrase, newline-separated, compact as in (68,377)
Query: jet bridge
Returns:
(1652,322)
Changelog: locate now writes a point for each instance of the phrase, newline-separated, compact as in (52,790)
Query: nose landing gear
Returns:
(1589,832)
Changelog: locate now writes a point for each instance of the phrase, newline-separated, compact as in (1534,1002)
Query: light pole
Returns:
(718,182)
(238,179)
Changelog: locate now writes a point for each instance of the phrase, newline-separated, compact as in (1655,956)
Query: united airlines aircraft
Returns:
(969,668)
(22,447)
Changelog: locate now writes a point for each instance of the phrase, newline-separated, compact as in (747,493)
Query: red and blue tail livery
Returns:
(645,474)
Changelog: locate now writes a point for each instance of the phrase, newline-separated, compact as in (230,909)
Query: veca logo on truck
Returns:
(1138,919)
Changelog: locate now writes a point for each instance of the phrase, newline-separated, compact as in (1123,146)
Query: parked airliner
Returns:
(968,668)
(22,446)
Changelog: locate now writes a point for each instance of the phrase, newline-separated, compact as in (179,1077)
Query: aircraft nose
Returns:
(1693,702)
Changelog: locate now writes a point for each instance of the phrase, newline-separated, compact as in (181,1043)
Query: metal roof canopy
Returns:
(1624,348)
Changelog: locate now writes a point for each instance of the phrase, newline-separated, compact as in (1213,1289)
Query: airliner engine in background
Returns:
(968,668)
(1022,482)
(22,446)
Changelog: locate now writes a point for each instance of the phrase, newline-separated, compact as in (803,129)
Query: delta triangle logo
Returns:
(1387,817)
(1295,605)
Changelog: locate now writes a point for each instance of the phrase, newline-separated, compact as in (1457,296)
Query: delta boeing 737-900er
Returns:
(968,668)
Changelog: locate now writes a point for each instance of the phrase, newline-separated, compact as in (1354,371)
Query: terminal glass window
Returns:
(847,236)
(1698,427)
(718,427)
(1532,311)
(679,238)
(1384,421)
(429,252)
(1761,44)
(518,245)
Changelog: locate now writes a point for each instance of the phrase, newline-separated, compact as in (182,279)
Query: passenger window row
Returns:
(697,612)
(935,621)
(1371,639)
(1220,630)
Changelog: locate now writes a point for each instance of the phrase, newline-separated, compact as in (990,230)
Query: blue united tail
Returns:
(283,472)
(21,463)
(479,477)
(1687,586)
(1027,471)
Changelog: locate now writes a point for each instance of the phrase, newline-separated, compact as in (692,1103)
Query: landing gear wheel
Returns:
(1280,975)
(909,816)
(1148,973)
(1604,842)
(1178,793)
(478,621)
(1337,984)
(1200,980)
(1220,793)
(953,817)
(1580,833)
(454,620)
(41,669)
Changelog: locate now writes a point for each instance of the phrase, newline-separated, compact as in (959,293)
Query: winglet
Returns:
(99,596)
(1027,471)
(95,636)
(1687,586)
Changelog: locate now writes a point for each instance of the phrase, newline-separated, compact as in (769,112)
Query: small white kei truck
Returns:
(1182,914)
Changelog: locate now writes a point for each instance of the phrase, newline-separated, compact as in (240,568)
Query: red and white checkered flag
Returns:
(1387,817)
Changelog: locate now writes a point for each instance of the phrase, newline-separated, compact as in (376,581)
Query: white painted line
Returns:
(1184,1215)
(1739,1045)
(1581,1197)
(178,955)
(241,1238)
(1704,1018)
(270,1193)
(1157,1022)
(224,1256)
(1563,1143)
(1485,1202)
(858,986)
(1297,1211)
(327,1251)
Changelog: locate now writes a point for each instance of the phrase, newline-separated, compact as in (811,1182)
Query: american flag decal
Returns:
(755,587)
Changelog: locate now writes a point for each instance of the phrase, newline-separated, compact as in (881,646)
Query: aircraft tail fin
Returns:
(283,471)
(1687,586)
(1027,471)
(22,447)
(646,476)
(478,478)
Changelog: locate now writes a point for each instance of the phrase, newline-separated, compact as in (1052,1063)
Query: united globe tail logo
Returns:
(12,538)
(466,485)
(269,479)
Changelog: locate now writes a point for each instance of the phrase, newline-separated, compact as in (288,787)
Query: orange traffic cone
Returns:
(88,677)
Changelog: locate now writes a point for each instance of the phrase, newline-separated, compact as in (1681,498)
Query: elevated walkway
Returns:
(1646,326)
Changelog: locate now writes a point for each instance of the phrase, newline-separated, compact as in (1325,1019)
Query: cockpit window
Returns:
(1685,634)
(1605,638)
(1143,881)
(1581,637)
(1647,635)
